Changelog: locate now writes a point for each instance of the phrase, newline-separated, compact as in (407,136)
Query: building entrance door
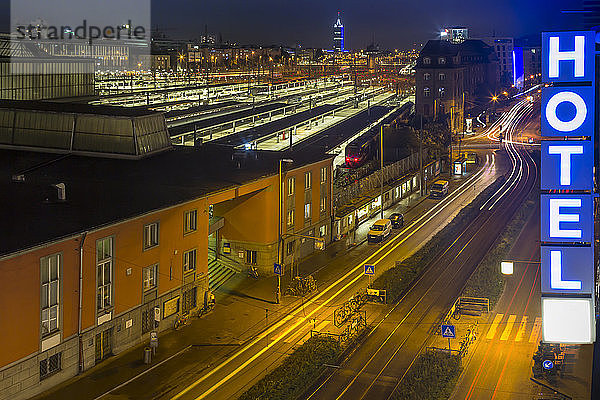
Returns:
(103,345)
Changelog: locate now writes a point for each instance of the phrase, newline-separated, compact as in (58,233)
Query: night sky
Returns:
(393,23)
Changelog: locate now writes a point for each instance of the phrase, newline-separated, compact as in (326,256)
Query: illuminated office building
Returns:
(338,35)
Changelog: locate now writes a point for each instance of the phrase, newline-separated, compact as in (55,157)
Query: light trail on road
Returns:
(517,172)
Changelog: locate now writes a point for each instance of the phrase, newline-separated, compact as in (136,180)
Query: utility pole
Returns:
(381,156)
(279,237)
(278,293)
(421,158)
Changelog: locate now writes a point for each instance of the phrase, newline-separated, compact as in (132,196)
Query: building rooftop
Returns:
(223,118)
(444,48)
(263,131)
(76,108)
(101,191)
(104,131)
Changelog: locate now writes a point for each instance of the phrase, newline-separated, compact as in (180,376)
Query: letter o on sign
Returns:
(580,111)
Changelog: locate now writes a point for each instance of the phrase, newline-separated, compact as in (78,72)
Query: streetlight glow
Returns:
(507,267)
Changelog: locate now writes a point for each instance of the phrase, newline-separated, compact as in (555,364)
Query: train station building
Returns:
(110,232)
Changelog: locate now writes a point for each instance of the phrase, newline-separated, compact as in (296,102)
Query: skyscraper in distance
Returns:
(338,34)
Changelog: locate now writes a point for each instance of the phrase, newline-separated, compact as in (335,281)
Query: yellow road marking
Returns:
(301,331)
(492,332)
(535,332)
(521,331)
(509,326)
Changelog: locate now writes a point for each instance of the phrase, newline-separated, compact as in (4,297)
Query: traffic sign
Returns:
(547,364)
(448,331)
(277,269)
(369,269)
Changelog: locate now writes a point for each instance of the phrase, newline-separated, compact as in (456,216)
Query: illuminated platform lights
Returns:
(567,216)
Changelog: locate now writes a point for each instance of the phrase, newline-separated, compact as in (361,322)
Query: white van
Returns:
(379,231)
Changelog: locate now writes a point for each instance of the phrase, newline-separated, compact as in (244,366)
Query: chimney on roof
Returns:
(61,191)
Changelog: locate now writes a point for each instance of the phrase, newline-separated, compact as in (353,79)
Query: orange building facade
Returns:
(76,301)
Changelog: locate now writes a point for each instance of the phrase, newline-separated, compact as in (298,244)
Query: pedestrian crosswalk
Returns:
(514,328)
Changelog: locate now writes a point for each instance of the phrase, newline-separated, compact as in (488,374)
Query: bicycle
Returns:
(180,320)
(206,309)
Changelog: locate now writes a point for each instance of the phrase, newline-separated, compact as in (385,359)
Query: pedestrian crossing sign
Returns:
(369,269)
(448,331)
(277,269)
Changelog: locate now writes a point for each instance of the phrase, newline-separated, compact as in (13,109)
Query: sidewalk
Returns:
(244,308)
(575,380)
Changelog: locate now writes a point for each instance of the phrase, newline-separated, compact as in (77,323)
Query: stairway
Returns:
(219,272)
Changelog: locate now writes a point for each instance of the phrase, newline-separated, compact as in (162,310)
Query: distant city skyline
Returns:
(310,23)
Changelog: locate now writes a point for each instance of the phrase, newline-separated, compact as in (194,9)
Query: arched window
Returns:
(442,76)
(442,92)
(426,92)
(426,76)
(442,60)
(426,60)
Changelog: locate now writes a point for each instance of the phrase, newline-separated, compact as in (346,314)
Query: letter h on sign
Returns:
(568,57)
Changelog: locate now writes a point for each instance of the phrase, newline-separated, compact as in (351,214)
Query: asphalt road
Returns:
(379,365)
(499,366)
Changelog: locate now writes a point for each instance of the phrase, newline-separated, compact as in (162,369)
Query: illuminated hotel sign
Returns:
(566,202)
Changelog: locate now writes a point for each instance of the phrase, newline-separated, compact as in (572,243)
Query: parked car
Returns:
(379,231)
(397,220)
(439,189)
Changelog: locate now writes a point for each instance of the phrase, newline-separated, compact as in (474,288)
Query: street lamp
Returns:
(495,100)
(507,267)
(383,126)
(279,246)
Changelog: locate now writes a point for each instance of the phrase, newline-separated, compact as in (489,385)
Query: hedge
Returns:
(302,367)
(487,281)
(432,377)
(398,279)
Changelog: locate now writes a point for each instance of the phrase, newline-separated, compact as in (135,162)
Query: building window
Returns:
(307,180)
(442,60)
(426,92)
(441,92)
(290,247)
(190,221)
(323,204)
(251,257)
(104,268)
(189,261)
(150,277)
(426,76)
(442,76)
(426,60)
(291,184)
(307,213)
(323,231)
(50,366)
(323,174)
(50,297)
(150,235)
(290,217)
